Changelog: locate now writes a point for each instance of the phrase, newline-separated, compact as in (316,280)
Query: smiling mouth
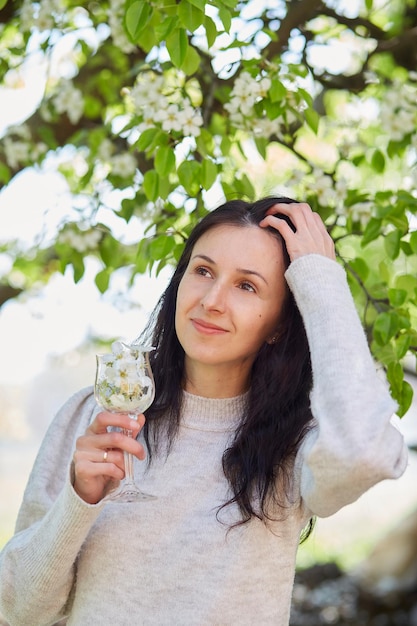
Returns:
(206,328)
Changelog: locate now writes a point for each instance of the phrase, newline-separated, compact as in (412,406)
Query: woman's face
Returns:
(230,298)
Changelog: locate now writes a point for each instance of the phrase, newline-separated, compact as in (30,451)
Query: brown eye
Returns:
(247,286)
(202,271)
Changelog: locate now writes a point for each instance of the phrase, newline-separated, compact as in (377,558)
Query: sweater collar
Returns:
(213,414)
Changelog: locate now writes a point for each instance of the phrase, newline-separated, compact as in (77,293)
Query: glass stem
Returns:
(129,457)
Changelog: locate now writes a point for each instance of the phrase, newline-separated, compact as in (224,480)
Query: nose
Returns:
(214,299)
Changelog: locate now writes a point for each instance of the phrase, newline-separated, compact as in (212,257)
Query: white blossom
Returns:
(322,185)
(26,16)
(14,80)
(296,178)
(169,118)
(69,100)
(38,150)
(247,91)
(147,122)
(81,241)
(361,212)
(105,150)
(22,131)
(16,152)
(163,105)
(148,92)
(398,111)
(123,383)
(261,87)
(190,121)
(264,127)
(123,164)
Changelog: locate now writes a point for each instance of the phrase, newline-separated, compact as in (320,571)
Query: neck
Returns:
(213,383)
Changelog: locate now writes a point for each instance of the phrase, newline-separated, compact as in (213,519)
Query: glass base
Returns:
(129,494)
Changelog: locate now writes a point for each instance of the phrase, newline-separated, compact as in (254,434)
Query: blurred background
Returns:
(100,182)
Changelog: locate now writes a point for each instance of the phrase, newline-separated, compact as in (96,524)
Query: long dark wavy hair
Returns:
(278,411)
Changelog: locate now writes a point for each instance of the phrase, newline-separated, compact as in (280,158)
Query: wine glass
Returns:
(124,384)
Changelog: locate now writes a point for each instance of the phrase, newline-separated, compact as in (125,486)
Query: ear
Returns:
(274,339)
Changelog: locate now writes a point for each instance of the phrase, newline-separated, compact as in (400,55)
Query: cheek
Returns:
(178,312)
(181,307)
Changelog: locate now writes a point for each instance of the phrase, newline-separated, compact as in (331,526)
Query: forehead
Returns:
(238,244)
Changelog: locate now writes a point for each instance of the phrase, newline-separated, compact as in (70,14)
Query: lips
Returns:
(207,328)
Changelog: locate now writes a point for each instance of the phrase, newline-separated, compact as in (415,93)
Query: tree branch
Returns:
(299,12)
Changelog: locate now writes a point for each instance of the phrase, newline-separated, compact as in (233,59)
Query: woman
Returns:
(268,412)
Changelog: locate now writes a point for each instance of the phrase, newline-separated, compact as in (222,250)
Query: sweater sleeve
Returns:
(37,565)
(353,444)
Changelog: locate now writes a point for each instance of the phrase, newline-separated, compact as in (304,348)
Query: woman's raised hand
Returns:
(310,236)
(98,458)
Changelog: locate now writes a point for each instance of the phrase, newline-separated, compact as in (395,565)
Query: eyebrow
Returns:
(241,270)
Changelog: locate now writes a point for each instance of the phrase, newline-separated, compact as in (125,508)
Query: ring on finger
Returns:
(105,455)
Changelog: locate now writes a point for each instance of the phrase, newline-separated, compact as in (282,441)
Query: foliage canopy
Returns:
(155,112)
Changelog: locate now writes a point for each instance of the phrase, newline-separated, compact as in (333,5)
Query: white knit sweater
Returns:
(170,561)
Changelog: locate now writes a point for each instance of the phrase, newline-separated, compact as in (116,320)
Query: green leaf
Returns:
(405,398)
(211,31)
(244,187)
(166,27)
(392,244)
(273,109)
(208,173)
(226,145)
(407,282)
(226,18)
(78,266)
(147,138)
(402,345)
(109,250)
(378,161)
(142,256)
(385,327)
(5,174)
(102,280)
(177,45)
(127,209)
(165,160)
(397,297)
(401,390)
(191,62)
(189,177)
(360,267)
(164,187)
(190,16)
(136,18)
(400,222)
(277,91)
(205,142)
(384,271)
(151,185)
(395,374)
(413,241)
(200,4)
(313,119)
(262,144)
(3,4)
(372,231)
(161,246)
(369,4)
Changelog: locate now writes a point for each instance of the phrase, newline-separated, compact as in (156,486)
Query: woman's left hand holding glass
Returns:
(310,236)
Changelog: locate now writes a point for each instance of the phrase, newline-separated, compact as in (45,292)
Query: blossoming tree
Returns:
(174,106)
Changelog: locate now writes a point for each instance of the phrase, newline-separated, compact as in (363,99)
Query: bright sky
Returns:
(62,314)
